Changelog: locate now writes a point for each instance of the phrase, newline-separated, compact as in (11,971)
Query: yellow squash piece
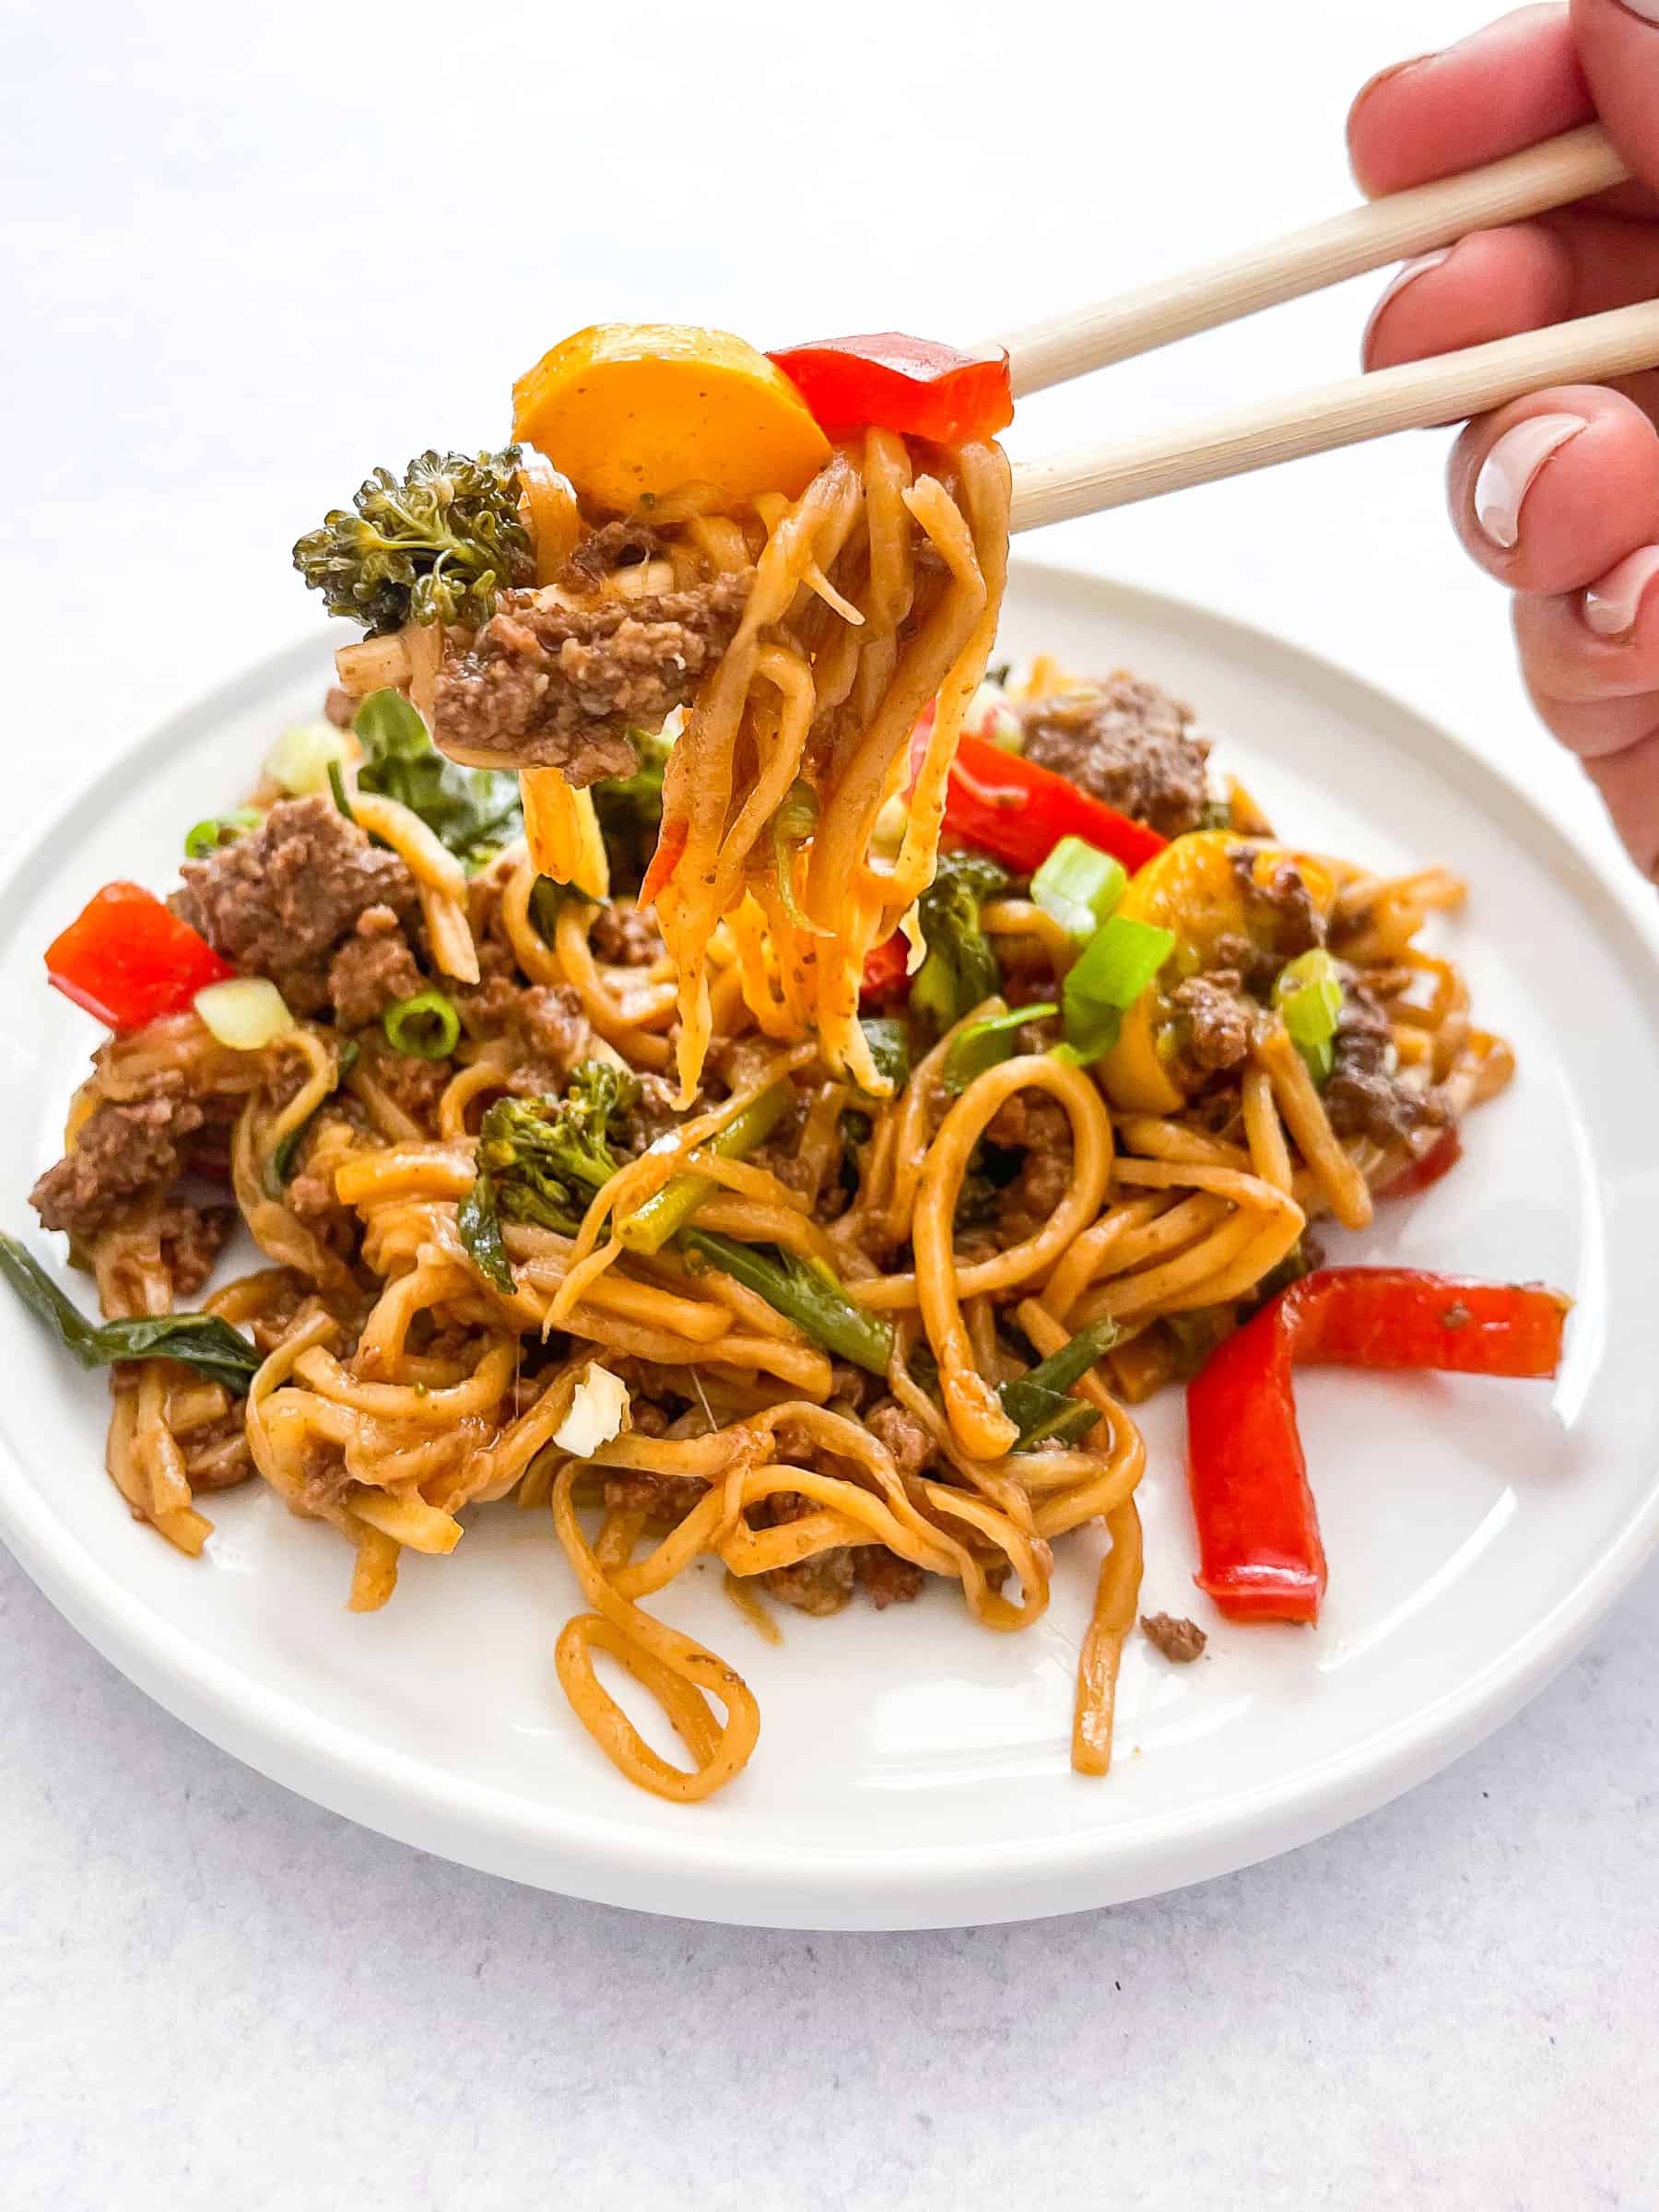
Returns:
(632,411)
(1191,889)
(563,831)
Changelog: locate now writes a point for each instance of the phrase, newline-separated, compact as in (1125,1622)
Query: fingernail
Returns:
(1508,471)
(1647,9)
(1612,606)
(1408,274)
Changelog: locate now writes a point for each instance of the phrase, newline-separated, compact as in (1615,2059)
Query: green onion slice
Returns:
(1119,962)
(1309,995)
(1079,886)
(426,1026)
(219,830)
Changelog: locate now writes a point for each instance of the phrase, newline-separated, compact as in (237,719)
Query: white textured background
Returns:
(247,251)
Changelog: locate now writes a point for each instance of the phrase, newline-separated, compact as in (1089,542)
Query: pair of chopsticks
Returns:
(1419,396)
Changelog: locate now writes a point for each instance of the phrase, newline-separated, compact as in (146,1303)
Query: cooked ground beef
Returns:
(852,1386)
(340,707)
(216,1457)
(1365,1096)
(191,1239)
(1178,1639)
(1128,743)
(622,545)
(1279,904)
(121,1150)
(905,1437)
(1218,1019)
(663,1497)
(277,900)
(414,1085)
(552,1035)
(886,1578)
(373,970)
(559,686)
(623,937)
(1040,1127)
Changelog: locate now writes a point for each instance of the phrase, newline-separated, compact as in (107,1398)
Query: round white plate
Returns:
(913,1768)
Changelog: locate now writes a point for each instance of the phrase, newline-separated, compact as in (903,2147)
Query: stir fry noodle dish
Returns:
(690,1047)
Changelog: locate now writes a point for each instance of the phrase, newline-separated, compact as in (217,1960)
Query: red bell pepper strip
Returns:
(887,967)
(672,840)
(1258,1531)
(129,959)
(1015,810)
(894,383)
(1422,1174)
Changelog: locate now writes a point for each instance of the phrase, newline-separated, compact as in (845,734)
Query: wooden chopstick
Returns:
(1395,228)
(1418,396)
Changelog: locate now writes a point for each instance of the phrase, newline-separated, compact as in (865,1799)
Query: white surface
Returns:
(912,1771)
(215,299)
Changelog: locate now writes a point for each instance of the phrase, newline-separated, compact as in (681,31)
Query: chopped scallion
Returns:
(1309,995)
(206,837)
(1118,963)
(1079,886)
(426,1026)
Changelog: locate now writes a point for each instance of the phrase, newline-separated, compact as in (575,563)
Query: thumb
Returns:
(1617,43)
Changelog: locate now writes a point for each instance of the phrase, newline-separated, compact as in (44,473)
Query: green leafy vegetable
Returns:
(630,809)
(1038,1402)
(435,545)
(667,1211)
(336,784)
(208,836)
(805,1292)
(1079,886)
(201,1341)
(961,969)
(280,1165)
(1113,968)
(478,1219)
(426,1026)
(541,1159)
(473,811)
(888,1041)
(986,1044)
(1309,995)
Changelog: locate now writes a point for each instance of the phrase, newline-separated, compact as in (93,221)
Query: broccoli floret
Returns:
(541,1160)
(434,545)
(961,969)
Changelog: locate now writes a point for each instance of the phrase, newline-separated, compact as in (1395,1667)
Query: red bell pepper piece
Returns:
(1015,810)
(129,959)
(1422,1174)
(895,382)
(887,967)
(672,840)
(1258,1532)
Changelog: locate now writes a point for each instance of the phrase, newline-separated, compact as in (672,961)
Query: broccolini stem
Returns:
(806,1294)
(667,1211)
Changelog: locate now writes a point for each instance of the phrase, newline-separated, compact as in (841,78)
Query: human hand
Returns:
(1556,494)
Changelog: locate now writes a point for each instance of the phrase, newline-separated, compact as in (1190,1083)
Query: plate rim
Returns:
(693,1871)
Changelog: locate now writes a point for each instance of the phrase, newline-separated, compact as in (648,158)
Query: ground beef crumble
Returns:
(277,902)
(545,684)
(1365,1096)
(1127,742)
(1179,1639)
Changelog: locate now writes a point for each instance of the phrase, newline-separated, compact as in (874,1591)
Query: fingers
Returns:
(1554,490)
(1496,282)
(1510,85)
(1590,660)
(1617,45)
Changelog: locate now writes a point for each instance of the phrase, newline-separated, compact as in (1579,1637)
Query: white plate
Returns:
(913,1768)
